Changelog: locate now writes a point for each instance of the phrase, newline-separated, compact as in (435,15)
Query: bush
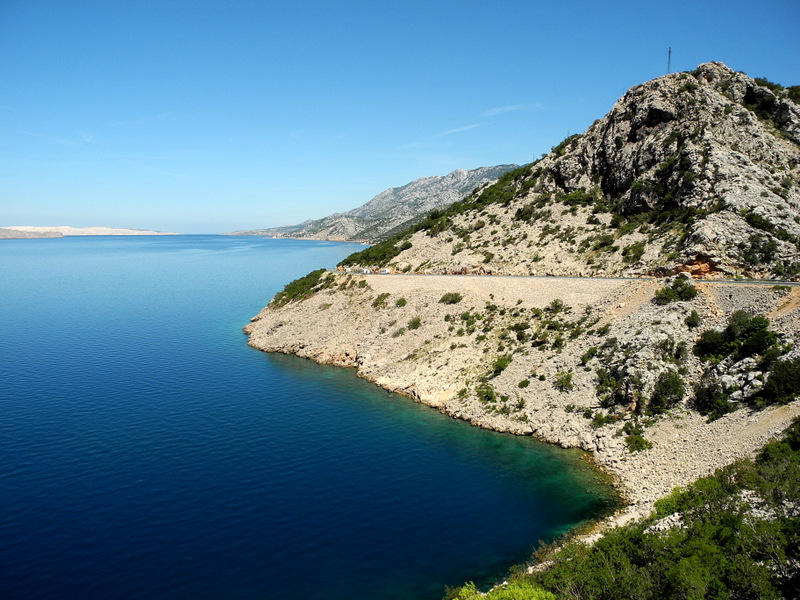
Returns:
(681,288)
(414,323)
(711,401)
(667,392)
(299,288)
(380,301)
(516,589)
(563,382)
(693,319)
(451,298)
(783,382)
(636,443)
(633,253)
(711,343)
(377,255)
(500,364)
(401,302)
(485,393)
(744,336)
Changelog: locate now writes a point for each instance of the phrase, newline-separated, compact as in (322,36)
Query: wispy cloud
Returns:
(501,110)
(87,136)
(457,130)
(428,141)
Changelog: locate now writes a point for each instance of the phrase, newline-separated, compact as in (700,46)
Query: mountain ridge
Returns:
(393,209)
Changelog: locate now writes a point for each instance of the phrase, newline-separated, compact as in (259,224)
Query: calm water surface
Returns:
(147,452)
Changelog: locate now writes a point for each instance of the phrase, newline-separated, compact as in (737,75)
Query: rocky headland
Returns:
(689,183)
(472,359)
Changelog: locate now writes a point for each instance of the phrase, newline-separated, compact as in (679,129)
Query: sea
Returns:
(146,452)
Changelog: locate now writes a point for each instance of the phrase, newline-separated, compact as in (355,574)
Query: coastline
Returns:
(358,325)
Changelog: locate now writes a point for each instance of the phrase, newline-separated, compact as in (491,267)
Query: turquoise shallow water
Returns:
(147,452)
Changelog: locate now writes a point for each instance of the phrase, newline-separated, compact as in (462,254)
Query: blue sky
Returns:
(208,116)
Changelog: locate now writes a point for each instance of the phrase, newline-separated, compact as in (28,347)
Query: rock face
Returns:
(391,210)
(696,172)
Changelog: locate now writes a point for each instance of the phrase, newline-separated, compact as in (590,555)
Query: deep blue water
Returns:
(147,452)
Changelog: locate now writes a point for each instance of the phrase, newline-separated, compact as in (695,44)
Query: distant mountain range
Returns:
(392,210)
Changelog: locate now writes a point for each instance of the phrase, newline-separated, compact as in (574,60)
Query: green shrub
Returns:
(604,241)
(563,381)
(633,253)
(414,323)
(693,319)
(667,392)
(636,443)
(401,302)
(485,393)
(745,335)
(516,589)
(711,401)
(556,306)
(599,419)
(711,343)
(380,301)
(783,382)
(298,289)
(500,364)
(379,254)
(681,288)
(451,298)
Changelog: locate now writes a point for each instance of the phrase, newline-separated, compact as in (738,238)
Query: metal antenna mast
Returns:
(669,60)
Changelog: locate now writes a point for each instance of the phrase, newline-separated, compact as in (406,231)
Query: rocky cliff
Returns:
(691,171)
(392,210)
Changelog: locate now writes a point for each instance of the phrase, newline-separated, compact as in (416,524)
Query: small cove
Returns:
(149,453)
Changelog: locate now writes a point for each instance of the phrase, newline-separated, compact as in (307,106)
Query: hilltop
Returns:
(395,209)
(692,172)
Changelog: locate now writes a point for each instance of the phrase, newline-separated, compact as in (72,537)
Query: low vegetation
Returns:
(301,288)
(451,298)
(681,288)
(735,534)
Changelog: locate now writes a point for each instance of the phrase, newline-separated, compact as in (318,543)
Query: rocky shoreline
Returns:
(396,331)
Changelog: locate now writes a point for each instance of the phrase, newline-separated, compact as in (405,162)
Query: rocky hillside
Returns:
(695,172)
(664,379)
(392,210)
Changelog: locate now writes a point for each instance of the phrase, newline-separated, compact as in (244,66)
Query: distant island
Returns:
(26,231)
